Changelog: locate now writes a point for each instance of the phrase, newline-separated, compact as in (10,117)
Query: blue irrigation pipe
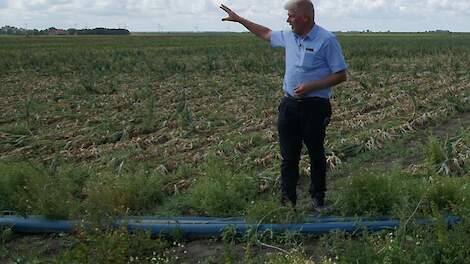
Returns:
(194,227)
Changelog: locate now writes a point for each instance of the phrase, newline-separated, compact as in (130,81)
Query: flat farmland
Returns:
(95,128)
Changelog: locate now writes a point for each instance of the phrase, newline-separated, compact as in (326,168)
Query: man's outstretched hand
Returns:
(232,16)
(260,31)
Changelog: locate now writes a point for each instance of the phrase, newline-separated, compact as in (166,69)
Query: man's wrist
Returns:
(311,86)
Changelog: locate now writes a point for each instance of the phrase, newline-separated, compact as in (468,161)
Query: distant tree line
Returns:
(9,30)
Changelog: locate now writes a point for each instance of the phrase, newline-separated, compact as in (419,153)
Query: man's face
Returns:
(296,21)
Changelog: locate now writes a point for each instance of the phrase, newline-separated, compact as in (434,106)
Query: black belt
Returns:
(313,99)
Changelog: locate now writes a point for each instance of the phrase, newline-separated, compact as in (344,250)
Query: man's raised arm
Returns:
(258,30)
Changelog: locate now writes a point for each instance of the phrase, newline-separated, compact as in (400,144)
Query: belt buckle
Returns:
(295,98)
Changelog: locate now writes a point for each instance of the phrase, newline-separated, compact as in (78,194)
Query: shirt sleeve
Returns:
(277,39)
(334,56)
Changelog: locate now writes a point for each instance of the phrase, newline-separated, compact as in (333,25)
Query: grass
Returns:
(77,193)
(24,190)
(219,192)
(448,156)
(418,244)
(375,193)
(116,246)
(185,125)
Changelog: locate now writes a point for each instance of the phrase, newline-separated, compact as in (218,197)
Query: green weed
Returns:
(368,193)
(115,246)
(270,211)
(5,236)
(149,111)
(447,157)
(17,128)
(293,256)
(446,195)
(221,191)
(39,190)
(184,115)
(110,195)
(419,244)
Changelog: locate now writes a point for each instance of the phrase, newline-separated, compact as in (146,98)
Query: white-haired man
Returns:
(314,64)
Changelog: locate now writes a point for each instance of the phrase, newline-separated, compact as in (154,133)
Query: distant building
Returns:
(8,30)
(439,31)
(57,32)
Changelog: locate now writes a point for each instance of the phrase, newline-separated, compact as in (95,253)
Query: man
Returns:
(314,64)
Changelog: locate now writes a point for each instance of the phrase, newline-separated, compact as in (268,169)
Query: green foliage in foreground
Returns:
(58,190)
(410,244)
(222,192)
(66,192)
(115,246)
(448,156)
(33,190)
(378,193)
(270,211)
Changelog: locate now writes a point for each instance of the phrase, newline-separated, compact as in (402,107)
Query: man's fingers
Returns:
(232,16)
(226,9)
(298,90)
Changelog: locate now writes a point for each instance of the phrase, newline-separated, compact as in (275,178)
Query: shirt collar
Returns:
(310,35)
(312,32)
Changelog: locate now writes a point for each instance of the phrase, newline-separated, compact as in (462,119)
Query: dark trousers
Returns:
(303,120)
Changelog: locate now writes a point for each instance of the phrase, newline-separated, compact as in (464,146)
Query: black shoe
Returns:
(285,201)
(319,199)
(318,203)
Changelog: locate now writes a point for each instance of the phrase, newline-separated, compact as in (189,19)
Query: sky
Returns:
(205,15)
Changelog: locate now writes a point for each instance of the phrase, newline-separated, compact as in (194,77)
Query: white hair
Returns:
(294,4)
(305,6)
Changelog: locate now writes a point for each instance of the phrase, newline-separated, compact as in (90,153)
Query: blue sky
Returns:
(204,15)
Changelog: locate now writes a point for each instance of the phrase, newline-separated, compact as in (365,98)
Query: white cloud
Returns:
(3,4)
(456,6)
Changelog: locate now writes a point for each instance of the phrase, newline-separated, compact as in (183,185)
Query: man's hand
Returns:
(232,16)
(330,81)
(258,30)
(301,90)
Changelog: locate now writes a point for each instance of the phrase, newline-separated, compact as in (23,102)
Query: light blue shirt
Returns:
(314,57)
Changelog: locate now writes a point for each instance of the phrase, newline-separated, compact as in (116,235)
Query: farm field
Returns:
(95,128)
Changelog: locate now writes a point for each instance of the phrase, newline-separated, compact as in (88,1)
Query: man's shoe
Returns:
(285,201)
(321,209)
(319,202)
(318,206)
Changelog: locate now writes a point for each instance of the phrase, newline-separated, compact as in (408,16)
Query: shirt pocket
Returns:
(310,60)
